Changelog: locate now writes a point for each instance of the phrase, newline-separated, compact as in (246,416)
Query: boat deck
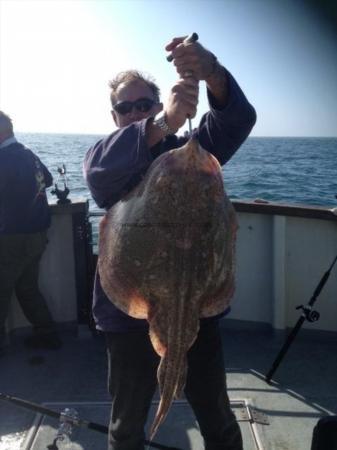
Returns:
(276,416)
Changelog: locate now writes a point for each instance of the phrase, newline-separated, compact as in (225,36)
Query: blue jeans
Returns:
(132,383)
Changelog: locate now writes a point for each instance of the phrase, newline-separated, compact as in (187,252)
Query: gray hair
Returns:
(5,123)
(129,76)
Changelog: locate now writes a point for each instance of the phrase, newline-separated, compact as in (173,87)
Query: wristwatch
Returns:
(161,123)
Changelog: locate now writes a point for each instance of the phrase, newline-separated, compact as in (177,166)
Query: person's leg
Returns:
(33,304)
(10,267)
(206,391)
(6,291)
(3,342)
(132,381)
(27,289)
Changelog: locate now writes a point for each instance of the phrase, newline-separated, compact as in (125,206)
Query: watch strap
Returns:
(161,123)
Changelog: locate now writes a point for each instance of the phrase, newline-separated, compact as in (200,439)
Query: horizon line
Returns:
(106,134)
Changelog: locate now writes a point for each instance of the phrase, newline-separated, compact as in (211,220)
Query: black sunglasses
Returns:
(142,105)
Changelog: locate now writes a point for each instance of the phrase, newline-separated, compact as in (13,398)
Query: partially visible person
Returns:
(24,220)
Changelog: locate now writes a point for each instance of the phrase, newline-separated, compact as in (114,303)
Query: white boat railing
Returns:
(282,252)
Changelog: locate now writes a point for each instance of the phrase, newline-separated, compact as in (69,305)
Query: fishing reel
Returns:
(69,417)
(61,194)
(309,314)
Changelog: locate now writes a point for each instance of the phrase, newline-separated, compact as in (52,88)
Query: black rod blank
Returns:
(307,314)
(75,421)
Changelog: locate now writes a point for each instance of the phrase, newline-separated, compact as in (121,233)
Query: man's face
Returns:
(130,93)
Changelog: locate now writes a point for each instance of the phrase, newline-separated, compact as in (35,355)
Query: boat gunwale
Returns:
(285,209)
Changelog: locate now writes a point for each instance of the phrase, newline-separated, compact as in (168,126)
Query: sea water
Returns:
(284,170)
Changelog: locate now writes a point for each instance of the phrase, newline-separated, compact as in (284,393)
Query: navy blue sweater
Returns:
(116,164)
(23,202)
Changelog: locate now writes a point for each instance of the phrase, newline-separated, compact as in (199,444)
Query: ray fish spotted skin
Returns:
(167,255)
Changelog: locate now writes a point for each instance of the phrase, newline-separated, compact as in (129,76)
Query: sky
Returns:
(57,56)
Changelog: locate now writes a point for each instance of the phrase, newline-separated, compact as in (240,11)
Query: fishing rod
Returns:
(307,314)
(68,417)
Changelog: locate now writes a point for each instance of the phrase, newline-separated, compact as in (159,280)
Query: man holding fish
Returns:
(115,168)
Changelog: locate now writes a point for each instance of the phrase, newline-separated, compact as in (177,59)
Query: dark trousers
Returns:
(20,256)
(133,379)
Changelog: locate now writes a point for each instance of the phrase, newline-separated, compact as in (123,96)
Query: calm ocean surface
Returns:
(285,170)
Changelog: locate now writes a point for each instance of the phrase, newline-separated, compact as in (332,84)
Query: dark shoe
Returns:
(48,341)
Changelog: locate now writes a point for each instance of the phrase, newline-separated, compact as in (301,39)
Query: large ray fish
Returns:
(167,255)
